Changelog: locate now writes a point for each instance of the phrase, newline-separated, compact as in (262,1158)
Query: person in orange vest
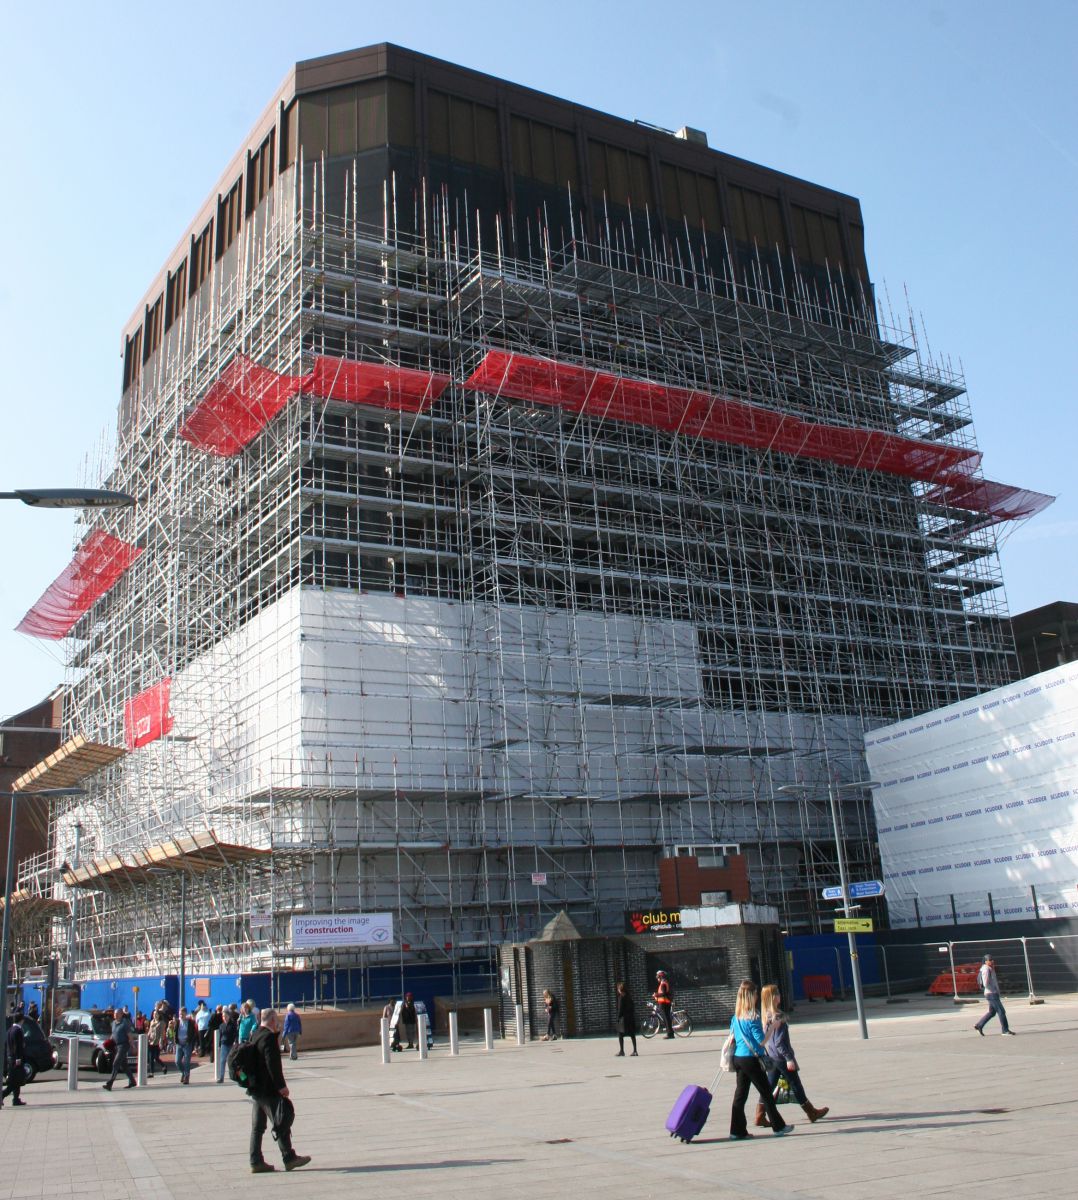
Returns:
(664,999)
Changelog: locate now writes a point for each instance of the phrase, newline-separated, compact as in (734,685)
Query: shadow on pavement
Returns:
(374,1168)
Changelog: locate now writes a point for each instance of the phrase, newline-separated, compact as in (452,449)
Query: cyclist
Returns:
(664,1001)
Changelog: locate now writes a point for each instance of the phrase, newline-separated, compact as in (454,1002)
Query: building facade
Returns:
(523,494)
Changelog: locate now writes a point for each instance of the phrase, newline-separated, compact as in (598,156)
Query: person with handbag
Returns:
(626,1020)
(269,1094)
(748,1061)
(781,1053)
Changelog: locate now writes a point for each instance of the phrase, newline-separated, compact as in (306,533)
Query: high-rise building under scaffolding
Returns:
(523,495)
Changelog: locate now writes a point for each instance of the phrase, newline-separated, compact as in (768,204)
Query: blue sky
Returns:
(955,122)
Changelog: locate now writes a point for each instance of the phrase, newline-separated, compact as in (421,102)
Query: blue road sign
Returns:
(871,887)
(832,893)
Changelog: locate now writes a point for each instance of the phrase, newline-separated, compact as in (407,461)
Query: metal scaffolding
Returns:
(428,637)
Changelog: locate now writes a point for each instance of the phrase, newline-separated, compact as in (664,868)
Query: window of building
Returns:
(154,326)
(260,173)
(619,174)
(133,358)
(229,216)
(175,294)
(756,218)
(692,968)
(401,116)
(290,135)
(201,257)
(545,153)
(463,130)
(343,121)
(818,237)
(691,197)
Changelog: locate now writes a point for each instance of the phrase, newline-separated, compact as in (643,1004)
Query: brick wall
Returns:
(682,880)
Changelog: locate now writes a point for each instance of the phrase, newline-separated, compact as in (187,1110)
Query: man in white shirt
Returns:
(989,984)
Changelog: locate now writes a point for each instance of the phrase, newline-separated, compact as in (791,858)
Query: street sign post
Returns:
(853,924)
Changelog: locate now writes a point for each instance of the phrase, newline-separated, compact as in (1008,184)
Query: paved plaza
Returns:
(924,1108)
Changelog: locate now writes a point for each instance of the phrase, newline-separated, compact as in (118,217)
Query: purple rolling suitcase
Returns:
(689,1113)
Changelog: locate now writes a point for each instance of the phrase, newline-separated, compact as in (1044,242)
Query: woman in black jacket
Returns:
(626,1018)
(781,1054)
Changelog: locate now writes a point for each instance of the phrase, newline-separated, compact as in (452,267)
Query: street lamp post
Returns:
(840,852)
(70,498)
(160,871)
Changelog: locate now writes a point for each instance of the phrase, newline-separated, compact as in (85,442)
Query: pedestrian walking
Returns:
(293,1027)
(780,1051)
(553,1009)
(156,1041)
(664,1000)
(272,1105)
(15,1054)
(229,1035)
(248,1023)
(989,984)
(216,1019)
(202,1016)
(749,1059)
(185,1038)
(626,1020)
(407,1017)
(122,1032)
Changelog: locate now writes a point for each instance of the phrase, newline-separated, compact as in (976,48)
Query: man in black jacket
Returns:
(16,1052)
(122,1032)
(270,1098)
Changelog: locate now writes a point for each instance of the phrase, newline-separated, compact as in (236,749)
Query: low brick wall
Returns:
(331,1028)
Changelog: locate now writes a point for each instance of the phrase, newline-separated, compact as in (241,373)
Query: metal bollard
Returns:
(387,1057)
(519,1014)
(1033,999)
(454,1036)
(423,1022)
(72,1064)
(218,1065)
(488,1028)
(142,1057)
(954,978)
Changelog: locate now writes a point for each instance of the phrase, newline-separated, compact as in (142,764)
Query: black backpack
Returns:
(244,1066)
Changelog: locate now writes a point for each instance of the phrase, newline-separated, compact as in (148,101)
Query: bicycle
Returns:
(653,1022)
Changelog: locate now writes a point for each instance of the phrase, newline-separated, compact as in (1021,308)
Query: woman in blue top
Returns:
(749,1059)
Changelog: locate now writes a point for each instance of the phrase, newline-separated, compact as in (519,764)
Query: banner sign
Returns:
(652,920)
(146,716)
(348,929)
(853,925)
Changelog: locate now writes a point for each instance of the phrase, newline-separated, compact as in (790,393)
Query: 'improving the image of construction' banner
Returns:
(347,929)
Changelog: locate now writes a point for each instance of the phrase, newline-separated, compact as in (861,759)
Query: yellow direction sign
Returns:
(853,924)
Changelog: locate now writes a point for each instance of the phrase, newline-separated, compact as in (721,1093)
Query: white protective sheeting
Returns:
(981,798)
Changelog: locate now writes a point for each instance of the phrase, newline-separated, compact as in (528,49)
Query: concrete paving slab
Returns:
(925,1108)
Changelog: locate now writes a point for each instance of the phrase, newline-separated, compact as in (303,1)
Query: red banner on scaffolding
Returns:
(146,716)
(98,564)
(686,411)
(242,402)
(246,397)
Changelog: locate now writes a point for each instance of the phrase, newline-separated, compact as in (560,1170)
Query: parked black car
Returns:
(40,1055)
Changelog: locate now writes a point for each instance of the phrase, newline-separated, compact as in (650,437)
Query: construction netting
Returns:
(98,563)
(246,397)
(693,413)
(147,716)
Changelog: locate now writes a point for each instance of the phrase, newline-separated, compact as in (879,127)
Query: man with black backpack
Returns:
(263,1076)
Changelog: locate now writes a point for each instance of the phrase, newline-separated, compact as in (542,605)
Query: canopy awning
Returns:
(69,765)
(196,853)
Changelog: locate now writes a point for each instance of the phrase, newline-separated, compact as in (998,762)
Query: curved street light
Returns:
(70,498)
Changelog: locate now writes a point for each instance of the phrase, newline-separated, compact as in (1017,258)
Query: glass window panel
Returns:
(401,113)
(565,157)
(371,114)
(290,135)
(543,152)
(462,130)
(668,177)
(689,198)
(597,163)
(833,241)
(342,121)
(438,123)
(708,191)
(312,127)
(639,191)
(617,169)
(773,226)
(738,221)
(487,151)
(522,154)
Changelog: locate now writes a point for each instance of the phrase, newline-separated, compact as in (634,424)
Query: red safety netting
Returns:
(246,397)
(1002,501)
(98,563)
(701,414)
(242,402)
(381,385)
(146,716)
